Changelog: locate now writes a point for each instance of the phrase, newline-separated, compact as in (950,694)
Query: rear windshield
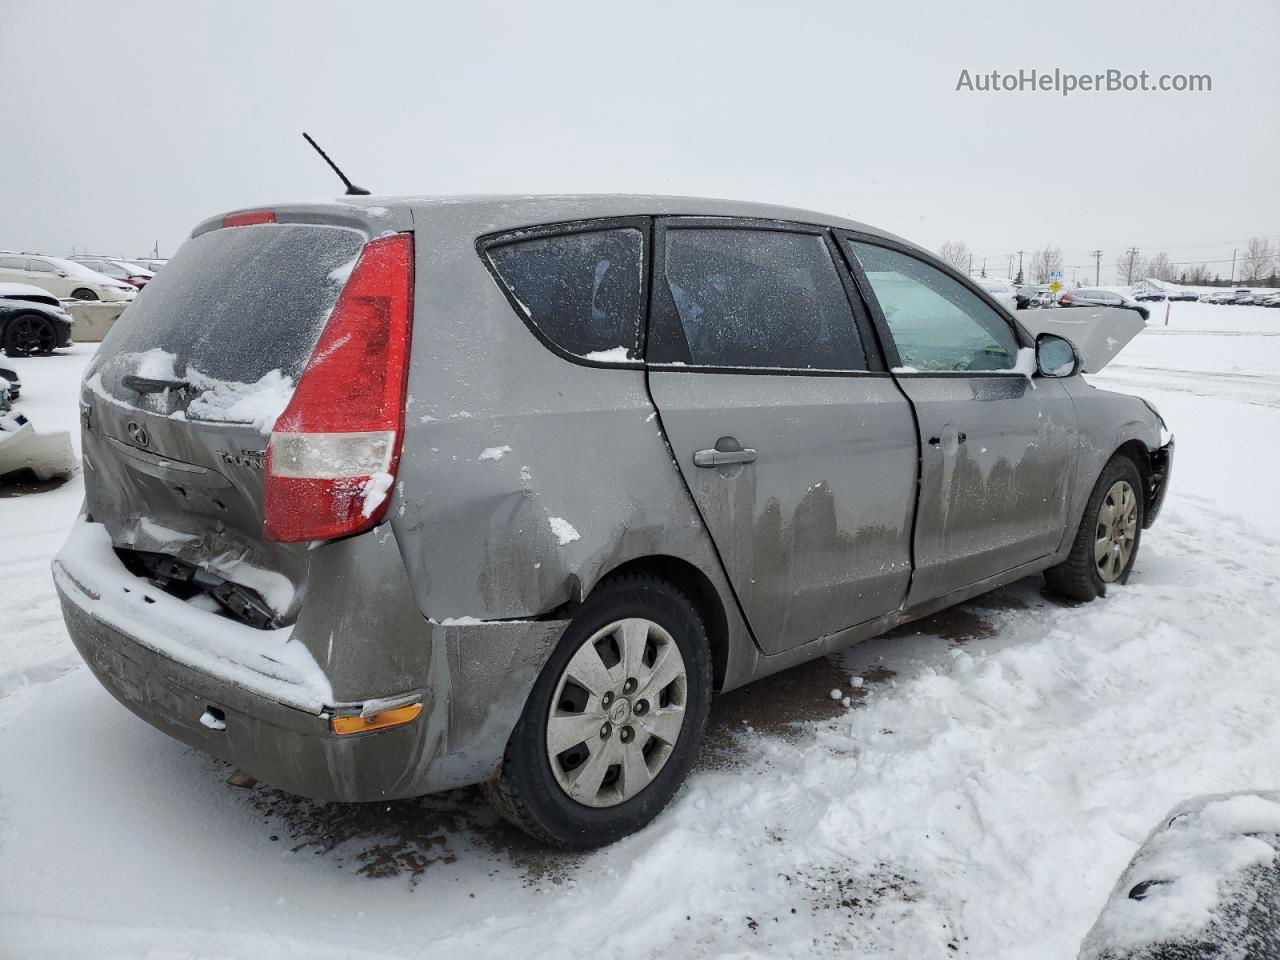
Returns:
(238,305)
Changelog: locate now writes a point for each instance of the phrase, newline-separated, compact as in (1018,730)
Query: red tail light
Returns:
(249,219)
(334,451)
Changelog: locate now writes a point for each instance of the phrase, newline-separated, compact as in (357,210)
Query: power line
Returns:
(1175,246)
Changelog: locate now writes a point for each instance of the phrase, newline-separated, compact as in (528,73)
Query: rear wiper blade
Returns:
(152,384)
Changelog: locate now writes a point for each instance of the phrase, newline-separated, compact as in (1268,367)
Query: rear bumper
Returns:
(286,747)
(277,728)
(1161,473)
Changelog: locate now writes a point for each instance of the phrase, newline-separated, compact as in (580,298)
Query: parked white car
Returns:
(1002,291)
(132,274)
(65,279)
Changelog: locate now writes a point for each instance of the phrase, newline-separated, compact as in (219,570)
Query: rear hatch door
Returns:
(178,404)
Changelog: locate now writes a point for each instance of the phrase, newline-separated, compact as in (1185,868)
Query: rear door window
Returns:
(753,298)
(936,322)
(582,291)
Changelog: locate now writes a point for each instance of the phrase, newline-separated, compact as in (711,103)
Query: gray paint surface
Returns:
(814,534)
(996,456)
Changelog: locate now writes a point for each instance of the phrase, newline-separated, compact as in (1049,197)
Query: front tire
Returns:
(1106,544)
(614,721)
(83,293)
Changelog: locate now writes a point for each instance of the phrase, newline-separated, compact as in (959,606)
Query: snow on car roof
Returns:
(24,291)
(72,267)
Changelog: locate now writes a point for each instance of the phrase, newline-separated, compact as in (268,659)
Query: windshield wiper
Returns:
(152,384)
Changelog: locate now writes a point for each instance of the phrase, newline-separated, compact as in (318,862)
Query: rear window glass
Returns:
(759,298)
(235,305)
(582,291)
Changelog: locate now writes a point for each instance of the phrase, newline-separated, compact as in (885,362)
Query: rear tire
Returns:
(1106,544)
(631,676)
(29,333)
(83,293)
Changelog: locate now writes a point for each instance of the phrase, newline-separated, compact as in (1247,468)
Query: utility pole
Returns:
(1133,259)
(1020,277)
(1097,267)
(970,273)
(984,266)
(1233,265)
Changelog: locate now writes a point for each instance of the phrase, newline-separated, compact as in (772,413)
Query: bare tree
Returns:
(1044,262)
(1197,275)
(956,253)
(1258,260)
(1160,267)
(1127,266)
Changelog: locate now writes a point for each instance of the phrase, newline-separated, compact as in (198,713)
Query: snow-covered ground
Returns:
(993,772)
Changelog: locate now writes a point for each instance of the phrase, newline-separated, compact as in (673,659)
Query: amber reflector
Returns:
(345,726)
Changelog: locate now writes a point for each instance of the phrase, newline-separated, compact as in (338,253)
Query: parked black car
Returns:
(1095,297)
(32,321)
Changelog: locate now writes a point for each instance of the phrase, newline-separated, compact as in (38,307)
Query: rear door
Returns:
(799,450)
(46,275)
(997,446)
(13,268)
(178,403)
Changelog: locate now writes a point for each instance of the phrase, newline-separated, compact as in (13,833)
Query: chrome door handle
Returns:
(720,458)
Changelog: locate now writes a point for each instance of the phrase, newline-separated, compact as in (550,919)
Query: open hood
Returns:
(1099,333)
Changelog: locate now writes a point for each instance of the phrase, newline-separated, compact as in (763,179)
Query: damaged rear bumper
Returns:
(274,721)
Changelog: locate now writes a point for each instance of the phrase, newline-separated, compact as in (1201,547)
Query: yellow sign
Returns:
(1055,286)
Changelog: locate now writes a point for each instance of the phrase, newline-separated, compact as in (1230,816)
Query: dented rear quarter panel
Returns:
(525,477)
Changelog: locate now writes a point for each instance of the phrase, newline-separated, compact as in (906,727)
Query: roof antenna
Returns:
(352,189)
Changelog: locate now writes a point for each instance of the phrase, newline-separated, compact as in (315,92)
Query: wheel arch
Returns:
(701,591)
(1138,452)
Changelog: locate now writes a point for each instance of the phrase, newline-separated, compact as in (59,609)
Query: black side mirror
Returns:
(1056,356)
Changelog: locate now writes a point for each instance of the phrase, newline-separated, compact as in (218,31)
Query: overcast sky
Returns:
(125,124)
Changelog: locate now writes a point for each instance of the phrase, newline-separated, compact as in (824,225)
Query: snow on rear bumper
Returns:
(89,575)
(169,662)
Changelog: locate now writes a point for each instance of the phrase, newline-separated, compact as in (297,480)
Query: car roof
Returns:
(492,213)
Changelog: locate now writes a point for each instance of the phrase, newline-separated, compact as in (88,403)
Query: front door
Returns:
(998,445)
(797,446)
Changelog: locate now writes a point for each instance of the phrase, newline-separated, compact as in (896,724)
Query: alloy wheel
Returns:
(30,335)
(1117,531)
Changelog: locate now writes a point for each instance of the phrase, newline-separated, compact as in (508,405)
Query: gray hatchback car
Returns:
(391,496)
